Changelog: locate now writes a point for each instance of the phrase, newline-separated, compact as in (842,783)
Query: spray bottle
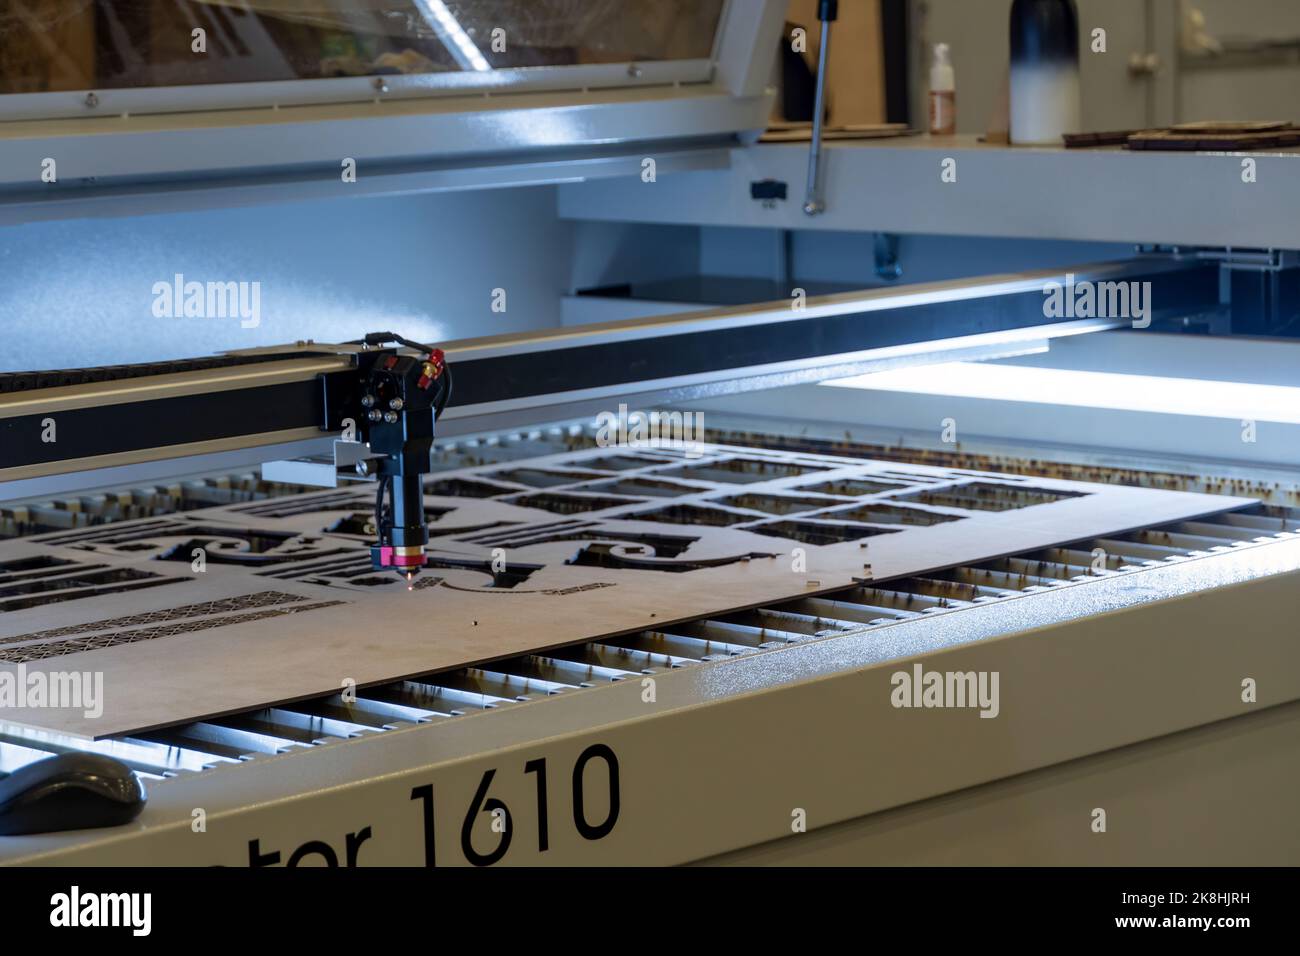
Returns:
(943,93)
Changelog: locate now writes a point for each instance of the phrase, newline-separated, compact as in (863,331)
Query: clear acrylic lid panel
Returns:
(49,46)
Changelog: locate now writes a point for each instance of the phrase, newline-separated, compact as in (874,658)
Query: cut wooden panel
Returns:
(856,85)
(543,552)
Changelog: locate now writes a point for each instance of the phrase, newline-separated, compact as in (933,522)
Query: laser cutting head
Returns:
(401,398)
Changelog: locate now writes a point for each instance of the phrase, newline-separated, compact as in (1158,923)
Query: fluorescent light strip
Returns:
(454,37)
(1082,389)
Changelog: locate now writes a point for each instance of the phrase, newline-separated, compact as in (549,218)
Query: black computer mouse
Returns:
(73,791)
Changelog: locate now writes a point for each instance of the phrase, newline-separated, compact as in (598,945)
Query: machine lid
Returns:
(145,90)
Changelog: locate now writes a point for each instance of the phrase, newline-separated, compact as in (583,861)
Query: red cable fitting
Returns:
(433,368)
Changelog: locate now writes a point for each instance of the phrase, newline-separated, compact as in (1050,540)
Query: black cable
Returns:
(444,395)
(384,338)
(379,508)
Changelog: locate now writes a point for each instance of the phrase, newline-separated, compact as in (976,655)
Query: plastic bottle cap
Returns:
(942,76)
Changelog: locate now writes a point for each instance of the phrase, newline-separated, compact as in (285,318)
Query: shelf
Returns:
(1101,195)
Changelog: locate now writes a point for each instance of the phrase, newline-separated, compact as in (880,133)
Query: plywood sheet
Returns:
(586,544)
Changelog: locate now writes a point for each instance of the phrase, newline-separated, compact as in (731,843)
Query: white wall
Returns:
(840,257)
(1265,92)
(80,292)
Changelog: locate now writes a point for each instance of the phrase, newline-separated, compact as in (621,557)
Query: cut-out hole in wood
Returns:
(778,504)
(738,470)
(820,533)
(987,496)
(542,478)
(10,570)
(645,487)
(464,488)
(73,582)
(852,487)
(569,504)
(620,462)
(691,514)
(886,513)
(622,557)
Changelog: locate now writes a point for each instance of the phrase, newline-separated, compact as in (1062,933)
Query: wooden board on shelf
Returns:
(524,556)
(783,132)
(1190,137)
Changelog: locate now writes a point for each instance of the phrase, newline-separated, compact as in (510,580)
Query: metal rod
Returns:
(813,202)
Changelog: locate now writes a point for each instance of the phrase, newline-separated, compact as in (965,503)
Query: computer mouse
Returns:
(73,791)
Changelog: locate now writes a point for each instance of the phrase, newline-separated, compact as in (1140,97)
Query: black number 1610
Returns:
(482,803)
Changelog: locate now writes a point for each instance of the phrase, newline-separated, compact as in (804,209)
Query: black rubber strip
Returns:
(136,426)
(30,381)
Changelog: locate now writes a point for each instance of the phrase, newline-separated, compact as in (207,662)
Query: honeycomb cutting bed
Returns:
(525,555)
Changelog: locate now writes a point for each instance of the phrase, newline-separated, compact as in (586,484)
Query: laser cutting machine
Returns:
(570,233)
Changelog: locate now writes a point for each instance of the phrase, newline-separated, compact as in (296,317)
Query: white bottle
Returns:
(1045,87)
(943,93)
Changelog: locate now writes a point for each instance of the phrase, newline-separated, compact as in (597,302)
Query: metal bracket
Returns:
(1258,288)
(886,253)
(1229,257)
(348,463)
